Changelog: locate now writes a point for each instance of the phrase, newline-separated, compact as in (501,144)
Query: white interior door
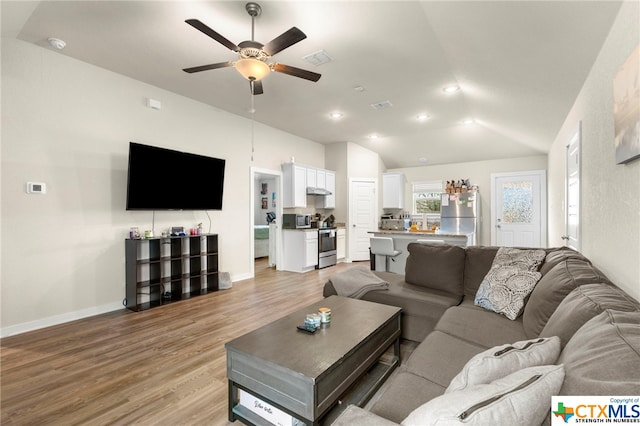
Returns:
(572,190)
(363,208)
(518,209)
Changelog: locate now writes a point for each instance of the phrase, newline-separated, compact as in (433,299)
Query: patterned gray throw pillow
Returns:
(512,276)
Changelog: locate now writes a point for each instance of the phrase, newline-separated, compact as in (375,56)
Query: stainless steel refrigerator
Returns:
(460,213)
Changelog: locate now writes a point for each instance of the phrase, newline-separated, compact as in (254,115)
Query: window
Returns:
(426,198)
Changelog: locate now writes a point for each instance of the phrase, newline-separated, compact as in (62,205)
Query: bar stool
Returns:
(382,248)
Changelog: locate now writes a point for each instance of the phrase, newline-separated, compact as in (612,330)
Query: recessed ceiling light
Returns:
(452,88)
(422,117)
(359,89)
(422,159)
(373,136)
(468,121)
(57,43)
(336,115)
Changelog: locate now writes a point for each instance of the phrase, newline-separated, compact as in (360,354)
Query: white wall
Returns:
(260,215)
(68,124)
(610,210)
(478,173)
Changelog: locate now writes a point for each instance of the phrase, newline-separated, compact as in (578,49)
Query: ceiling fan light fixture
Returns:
(252,69)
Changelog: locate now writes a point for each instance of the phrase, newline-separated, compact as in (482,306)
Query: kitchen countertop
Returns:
(420,234)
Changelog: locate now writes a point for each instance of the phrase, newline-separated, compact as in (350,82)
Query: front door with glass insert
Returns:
(518,209)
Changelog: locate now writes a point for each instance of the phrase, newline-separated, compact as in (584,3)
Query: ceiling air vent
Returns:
(381,105)
(318,58)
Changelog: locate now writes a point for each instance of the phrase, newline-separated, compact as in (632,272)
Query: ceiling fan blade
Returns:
(297,72)
(214,35)
(208,67)
(284,40)
(256,87)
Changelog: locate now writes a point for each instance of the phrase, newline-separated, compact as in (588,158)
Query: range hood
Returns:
(317,191)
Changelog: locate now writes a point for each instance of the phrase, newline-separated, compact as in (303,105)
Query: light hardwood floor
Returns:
(163,366)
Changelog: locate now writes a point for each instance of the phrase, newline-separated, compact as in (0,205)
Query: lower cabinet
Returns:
(165,270)
(299,250)
(341,243)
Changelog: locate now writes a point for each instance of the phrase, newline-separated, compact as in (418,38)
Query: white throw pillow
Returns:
(512,276)
(500,361)
(521,398)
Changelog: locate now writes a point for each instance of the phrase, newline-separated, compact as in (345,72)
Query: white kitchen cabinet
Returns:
(393,191)
(328,201)
(321,179)
(312,177)
(341,243)
(299,250)
(294,184)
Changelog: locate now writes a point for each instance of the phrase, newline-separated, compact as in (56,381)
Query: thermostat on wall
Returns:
(36,188)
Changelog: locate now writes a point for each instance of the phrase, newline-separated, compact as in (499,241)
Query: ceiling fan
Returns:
(253,56)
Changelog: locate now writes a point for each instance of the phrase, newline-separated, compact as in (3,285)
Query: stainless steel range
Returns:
(327,254)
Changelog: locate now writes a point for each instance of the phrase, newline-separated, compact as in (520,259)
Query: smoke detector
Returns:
(57,43)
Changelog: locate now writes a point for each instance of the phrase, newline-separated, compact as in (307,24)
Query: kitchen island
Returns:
(401,240)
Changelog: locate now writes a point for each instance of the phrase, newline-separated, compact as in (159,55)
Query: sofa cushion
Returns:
(503,360)
(421,307)
(554,286)
(404,393)
(354,415)
(476,265)
(519,398)
(582,304)
(438,267)
(558,255)
(440,357)
(603,356)
(477,325)
(512,276)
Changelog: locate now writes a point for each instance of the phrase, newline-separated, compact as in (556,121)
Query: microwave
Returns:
(296,221)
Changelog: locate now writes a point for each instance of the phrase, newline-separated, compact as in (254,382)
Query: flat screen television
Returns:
(164,179)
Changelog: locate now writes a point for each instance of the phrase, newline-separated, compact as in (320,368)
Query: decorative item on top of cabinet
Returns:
(393,191)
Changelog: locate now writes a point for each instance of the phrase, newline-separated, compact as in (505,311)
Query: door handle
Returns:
(565,237)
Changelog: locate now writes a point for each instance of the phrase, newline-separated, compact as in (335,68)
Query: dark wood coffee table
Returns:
(304,374)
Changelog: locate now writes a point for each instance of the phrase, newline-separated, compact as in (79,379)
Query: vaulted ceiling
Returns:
(519,65)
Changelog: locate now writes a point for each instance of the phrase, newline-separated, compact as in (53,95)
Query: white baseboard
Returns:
(76,315)
(59,319)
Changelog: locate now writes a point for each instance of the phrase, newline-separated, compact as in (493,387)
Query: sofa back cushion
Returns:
(476,265)
(603,357)
(438,267)
(552,288)
(557,255)
(582,304)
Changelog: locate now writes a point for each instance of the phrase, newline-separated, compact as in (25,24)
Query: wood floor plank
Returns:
(166,365)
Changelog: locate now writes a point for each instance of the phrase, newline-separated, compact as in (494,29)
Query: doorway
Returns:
(518,209)
(266,238)
(363,210)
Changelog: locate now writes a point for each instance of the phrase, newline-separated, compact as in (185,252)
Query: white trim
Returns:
(59,319)
(278,175)
(543,202)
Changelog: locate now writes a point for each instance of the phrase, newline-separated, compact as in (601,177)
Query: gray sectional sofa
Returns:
(592,325)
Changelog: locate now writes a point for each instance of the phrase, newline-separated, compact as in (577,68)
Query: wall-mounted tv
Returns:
(164,179)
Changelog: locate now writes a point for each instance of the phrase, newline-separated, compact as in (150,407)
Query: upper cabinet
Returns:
(327,201)
(297,178)
(393,191)
(294,183)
